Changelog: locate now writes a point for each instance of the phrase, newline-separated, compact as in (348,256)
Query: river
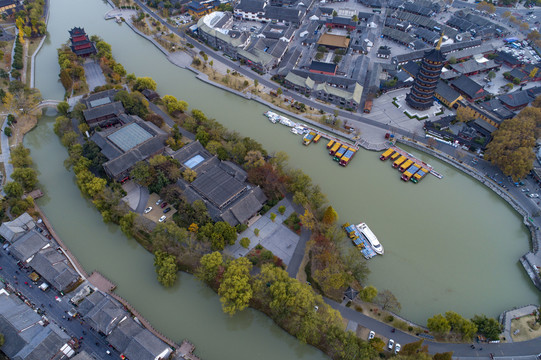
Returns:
(450,244)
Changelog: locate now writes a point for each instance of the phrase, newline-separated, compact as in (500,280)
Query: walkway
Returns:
(6,156)
(94,75)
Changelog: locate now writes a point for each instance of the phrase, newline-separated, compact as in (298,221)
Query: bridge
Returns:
(47,103)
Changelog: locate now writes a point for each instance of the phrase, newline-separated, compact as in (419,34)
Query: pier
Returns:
(417,161)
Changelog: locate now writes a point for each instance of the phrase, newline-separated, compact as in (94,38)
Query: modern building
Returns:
(221,185)
(422,92)
(80,43)
(215,30)
(124,146)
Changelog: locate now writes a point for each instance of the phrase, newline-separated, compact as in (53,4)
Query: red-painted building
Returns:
(80,43)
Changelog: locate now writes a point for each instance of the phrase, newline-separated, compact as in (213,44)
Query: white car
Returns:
(371,335)
(534,196)
(397,348)
(162,219)
(159,202)
(148,209)
(391,343)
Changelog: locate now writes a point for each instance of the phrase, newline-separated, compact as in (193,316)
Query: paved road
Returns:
(55,311)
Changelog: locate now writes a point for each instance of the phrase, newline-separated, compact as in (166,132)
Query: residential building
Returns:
(471,90)
(12,230)
(26,335)
(28,245)
(215,30)
(135,342)
(250,9)
(80,43)
(124,146)
(10,7)
(101,312)
(102,110)
(384,52)
(199,8)
(221,185)
(422,92)
(54,267)
(263,53)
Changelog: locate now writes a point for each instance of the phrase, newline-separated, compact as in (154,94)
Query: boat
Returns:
(316,139)
(334,148)
(295,131)
(419,175)
(395,156)
(360,241)
(272,116)
(399,161)
(307,139)
(404,166)
(369,235)
(330,144)
(299,129)
(340,152)
(347,157)
(386,154)
(406,176)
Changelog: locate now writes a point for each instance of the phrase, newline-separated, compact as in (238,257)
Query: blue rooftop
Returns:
(193,162)
(129,137)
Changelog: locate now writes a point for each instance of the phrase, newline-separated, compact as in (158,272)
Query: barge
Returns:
(419,175)
(347,157)
(387,154)
(406,176)
(340,152)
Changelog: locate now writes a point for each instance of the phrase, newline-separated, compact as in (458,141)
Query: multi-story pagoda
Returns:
(80,43)
(421,95)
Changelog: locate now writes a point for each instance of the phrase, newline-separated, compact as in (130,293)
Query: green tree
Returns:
(281,209)
(452,60)
(8,131)
(27,177)
(142,173)
(273,217)
(377,344)
(235,290)
(443,356)
(256,232)
(143,83)
(189,175)
(173,105)
(127,224)
(63,108)
(491,75)
(368,293)
(516,81)
(20,156)
(413,348)
(438,324)
(357,265)
(488,326)
(2,340)
(14,189)
(245,242)
(210,266)
(166,268)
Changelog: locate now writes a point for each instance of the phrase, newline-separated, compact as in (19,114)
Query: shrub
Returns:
(390,318)
(259,247)
(245,242)
(273,217)
(267,255)
(256,232)
(282,210)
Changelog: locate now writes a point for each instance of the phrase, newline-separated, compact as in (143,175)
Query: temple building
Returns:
(422,92)
(80,43)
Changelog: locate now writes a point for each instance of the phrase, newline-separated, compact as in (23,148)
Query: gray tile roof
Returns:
(107,94)
(516,98)
(105,315)
(10,230)
(54,268)
(83,355)
(113,108)
(468,87)
(28,245)
(45,345)
(251,6)
(447,92)
(291,15)
(89,302)
(145,346)
(121,336)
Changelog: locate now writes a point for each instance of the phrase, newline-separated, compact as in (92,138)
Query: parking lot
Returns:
(158,210)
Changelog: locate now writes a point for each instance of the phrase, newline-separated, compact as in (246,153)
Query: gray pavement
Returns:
(94,75)
(273,236)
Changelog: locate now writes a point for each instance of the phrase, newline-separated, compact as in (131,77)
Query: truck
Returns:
(44,286)
(368,106)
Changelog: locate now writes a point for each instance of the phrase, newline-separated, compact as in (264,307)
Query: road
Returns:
(502,351)
(55,311)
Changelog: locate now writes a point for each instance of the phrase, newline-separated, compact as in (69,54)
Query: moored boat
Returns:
(386,154)
(376,245)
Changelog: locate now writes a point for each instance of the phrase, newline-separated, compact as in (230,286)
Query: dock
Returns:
(186,350)
(417,161)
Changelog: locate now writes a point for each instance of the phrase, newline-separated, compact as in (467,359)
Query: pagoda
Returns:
(80,43)
(422,92)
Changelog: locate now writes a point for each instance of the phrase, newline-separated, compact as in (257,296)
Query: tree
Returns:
(166,268)
(452,60)
(357,265)
(14,190)
(273,217)
(20,156)
(245,242)
(368,293)
(27,177)
(63,108)
(189,175)
(355,18)
(388,301)
(330,216)
(464,115)
(173,105)
(143,83)
(256,232)
(414,348)
(438,324)
(253,159)
(235,290)
(491,75)
(506,14)
(8,131)
(2,340)
(279,91)
(534,35)
(142,173)
(524,26)
(511,148)
(377,344)
(126,224)
(488,326)
(516,81)
(210,266)
(281,209)
(134,103)
(443,356)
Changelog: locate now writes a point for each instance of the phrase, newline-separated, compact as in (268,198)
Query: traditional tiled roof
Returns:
(468,87)
(28,245)
(10,230)
(53,267)
(447,92)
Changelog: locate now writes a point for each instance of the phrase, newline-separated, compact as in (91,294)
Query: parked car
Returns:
(534,195)
(148,209)
(371,335)
(162,219)
(164,204)
(397,348)
(159,202)
(391,344)
(167,210)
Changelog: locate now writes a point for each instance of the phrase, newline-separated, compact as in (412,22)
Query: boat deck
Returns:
(360,241)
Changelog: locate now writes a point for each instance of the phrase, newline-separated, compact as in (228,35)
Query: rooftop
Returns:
(338,41)
(129,136)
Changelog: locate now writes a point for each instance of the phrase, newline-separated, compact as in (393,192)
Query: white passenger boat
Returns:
(365,230)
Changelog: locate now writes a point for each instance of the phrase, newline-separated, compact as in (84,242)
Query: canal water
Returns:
(450,244)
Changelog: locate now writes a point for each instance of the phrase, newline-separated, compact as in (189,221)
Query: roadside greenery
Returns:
(72,72)
(453,324)
(25,179)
